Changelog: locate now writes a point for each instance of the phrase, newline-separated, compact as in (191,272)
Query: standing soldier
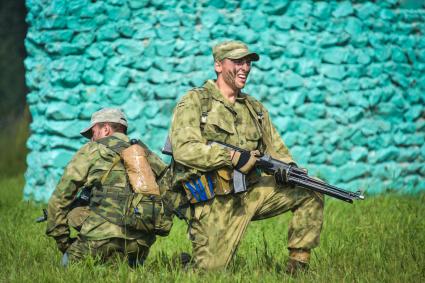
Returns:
(117,221)
(219,111)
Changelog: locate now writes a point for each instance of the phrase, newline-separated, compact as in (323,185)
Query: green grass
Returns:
(381,239)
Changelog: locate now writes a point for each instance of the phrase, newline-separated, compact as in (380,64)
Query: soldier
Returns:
(219,111)
(97,166)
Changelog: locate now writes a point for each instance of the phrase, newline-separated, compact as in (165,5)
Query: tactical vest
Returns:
(120,205)
(203,186)
(256,110)
(252,104)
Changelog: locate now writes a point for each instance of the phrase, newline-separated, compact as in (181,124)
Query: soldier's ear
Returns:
(218,67)
(108,129)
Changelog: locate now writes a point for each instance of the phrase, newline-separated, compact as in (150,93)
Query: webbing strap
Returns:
(118,147)
(255,105)
(206,103)
(114,163)
(266,139)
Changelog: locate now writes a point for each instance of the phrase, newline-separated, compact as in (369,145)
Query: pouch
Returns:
(224,182)
(77,216)
(199,189)
(147,214)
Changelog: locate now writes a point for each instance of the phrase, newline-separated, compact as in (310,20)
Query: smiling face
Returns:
(234,72)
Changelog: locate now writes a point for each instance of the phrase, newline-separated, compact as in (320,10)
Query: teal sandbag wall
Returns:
(344,81)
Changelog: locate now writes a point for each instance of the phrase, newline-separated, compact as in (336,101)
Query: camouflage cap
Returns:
(233,50)
(113,115)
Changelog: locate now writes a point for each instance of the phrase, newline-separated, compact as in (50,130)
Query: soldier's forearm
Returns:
(202,157)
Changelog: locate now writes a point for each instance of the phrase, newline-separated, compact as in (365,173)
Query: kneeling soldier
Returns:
(219,111)
(124,212)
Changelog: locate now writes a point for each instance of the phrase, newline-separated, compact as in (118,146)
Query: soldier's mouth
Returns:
(242,77)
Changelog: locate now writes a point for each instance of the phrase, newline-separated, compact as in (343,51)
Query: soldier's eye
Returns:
(240,62)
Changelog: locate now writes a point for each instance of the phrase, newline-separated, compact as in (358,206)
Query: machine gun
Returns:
(82,199)
(294,175)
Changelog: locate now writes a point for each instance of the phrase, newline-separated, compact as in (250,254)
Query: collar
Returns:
(217,95)
(121,136)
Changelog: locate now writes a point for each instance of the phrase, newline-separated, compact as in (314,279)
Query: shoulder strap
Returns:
(113,143)
(206,103)
(256,106)
(116,145)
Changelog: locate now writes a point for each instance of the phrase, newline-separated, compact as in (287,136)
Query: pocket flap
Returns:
(225,174)
(253,135)
(224,123)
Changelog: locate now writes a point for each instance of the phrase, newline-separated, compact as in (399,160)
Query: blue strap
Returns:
(193,191)
(210,184)
(201,189)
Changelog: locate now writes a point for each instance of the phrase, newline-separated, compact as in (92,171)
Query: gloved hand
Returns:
(64,243)
(281,175)
(244,161)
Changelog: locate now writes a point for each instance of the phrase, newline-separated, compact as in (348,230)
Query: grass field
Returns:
(381,239)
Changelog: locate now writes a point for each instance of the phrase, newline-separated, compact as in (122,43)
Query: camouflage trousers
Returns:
(134,251)
(218,225)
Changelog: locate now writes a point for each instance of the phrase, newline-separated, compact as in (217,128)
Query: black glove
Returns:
(281,175)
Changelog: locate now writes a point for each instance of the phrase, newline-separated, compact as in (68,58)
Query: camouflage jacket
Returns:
(232,124)
(86,169)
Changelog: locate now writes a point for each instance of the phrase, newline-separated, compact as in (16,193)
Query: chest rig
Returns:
(120,205)
(252,104)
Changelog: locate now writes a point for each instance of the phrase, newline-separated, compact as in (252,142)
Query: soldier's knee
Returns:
(313,199)
(319,198)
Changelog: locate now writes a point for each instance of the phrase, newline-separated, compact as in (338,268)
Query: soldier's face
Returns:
(234,71)
(99,132)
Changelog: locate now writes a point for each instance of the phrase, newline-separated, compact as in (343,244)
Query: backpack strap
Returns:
(256,106)
(206,103)
(115,144)
(256,110)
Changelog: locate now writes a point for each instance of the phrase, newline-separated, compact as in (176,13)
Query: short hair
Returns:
(117,127)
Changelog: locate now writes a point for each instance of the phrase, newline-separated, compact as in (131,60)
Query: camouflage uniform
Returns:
(98,236)
(218,225)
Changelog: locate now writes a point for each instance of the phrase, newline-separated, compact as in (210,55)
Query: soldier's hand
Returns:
(281,176)
(244,161)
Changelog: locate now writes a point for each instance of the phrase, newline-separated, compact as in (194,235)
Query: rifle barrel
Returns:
(307,184)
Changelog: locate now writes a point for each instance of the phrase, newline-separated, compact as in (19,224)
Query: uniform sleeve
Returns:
(277,143)
(73,178)
(189,147)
